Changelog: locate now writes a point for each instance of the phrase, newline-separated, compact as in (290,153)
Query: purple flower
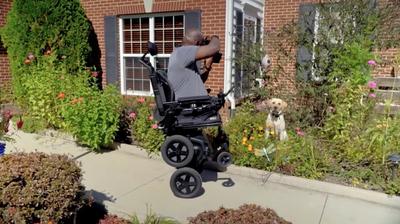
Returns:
(372,84)
(372,62)
(372,95)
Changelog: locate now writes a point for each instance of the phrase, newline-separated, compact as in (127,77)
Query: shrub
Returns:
(92,116)
(57,27)
(38,188)
(246,136)
(113,219)
(144,128)
(245,214)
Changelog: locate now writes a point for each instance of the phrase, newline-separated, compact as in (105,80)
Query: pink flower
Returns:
(372,62)
(154,126)
(151,117)
(372,95)
(132,115)
(299,132)
(372,84)
(140,100)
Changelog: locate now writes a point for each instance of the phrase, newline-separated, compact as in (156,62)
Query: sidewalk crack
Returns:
(323,209)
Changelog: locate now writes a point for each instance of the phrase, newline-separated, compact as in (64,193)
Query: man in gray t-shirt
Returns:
(184,67)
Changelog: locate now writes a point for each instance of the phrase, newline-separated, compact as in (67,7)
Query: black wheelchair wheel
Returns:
(185,182)
(177,151)
(224,159)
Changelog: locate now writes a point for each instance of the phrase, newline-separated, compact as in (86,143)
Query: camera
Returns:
(217,56)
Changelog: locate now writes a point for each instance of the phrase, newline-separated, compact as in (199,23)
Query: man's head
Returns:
(192,37)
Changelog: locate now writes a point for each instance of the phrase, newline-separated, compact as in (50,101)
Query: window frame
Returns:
(123,55)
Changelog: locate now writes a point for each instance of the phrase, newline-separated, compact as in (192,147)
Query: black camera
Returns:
(216,57)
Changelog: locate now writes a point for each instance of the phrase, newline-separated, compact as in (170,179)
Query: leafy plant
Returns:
(46,27)
(91,115)
(39,188)
(144,128)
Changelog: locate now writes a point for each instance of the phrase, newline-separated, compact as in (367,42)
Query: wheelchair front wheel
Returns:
(185,183)
(177,151)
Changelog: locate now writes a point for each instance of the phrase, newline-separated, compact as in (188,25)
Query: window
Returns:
(247,31)
(322,27)
(165,30)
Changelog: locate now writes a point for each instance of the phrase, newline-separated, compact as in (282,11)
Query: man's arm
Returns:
(209,50)
(206,69)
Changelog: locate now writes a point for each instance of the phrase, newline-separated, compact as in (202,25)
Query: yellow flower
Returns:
(252,138)
(272,132)
(244,139)
(250,148)
(260,128)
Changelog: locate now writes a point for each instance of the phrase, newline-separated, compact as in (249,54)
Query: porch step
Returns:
(381,108)
(388,90)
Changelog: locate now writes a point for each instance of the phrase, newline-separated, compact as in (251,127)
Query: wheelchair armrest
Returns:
(194,99)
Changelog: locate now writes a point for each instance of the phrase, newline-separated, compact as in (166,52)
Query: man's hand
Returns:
(209,50)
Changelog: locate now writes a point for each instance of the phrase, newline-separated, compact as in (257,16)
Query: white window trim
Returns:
(151,17)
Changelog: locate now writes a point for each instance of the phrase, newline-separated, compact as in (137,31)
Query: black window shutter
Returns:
(304,51)
(110,37)
(192,20)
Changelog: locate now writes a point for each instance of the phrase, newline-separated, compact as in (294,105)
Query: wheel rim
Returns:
(177,152)
(225,159)
(186,183)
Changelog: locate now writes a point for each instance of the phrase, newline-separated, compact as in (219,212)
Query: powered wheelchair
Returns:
(186,147)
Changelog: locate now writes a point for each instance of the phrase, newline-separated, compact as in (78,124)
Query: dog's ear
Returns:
(284,105)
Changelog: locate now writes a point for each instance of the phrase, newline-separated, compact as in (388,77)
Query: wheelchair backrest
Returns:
(162,89)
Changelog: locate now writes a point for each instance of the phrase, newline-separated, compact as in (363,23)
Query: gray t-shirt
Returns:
(184,73)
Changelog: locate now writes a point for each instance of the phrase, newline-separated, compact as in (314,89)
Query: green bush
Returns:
(60,27)
(39,188)
(91,115)
(144,128)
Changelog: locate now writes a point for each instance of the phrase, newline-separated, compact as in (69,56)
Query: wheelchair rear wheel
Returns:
(177,151)
(185,182)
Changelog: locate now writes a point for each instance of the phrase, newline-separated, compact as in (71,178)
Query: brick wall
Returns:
(281,12)
(213,22)
(5,76)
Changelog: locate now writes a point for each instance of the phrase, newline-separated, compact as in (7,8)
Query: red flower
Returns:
(154,126)
(77,100)
(141,100)
(61,95)
(151,117)
(20,123)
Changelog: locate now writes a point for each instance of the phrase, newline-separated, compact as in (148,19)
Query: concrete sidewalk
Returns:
(128,182)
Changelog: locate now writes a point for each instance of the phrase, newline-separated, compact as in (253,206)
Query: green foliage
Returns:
(246,133)
(152,218)
(55,98)
(59,26)
(39,188)
(145,131)
(351,64)
(91,115)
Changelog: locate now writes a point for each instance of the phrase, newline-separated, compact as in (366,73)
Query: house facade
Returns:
(123,28)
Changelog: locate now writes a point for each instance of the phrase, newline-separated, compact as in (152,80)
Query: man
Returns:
(184,68)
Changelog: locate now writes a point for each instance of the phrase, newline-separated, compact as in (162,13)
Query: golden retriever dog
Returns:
(275,123)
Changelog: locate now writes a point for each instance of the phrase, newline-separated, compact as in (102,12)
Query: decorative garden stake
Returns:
(2,148)
(394,162)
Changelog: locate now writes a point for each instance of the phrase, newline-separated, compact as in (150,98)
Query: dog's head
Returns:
(276,106)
